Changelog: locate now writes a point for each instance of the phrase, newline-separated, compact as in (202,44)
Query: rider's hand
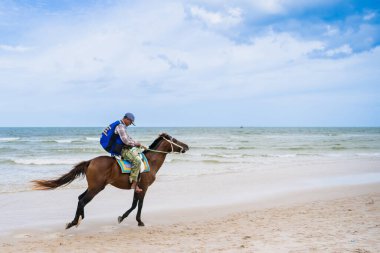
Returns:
(140,145)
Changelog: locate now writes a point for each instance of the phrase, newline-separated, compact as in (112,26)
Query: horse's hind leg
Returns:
(138,216)
(83,200)
(134,205)
(81,196)
(80,211)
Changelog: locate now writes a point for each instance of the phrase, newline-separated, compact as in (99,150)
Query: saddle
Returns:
(126,166)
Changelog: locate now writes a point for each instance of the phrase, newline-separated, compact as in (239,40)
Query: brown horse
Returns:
(104,170)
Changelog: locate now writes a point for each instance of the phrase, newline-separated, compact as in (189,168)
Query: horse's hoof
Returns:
(68,225)
(141,224)
(79,221)
(120,219)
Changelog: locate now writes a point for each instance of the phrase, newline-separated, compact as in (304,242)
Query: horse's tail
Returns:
(78,170)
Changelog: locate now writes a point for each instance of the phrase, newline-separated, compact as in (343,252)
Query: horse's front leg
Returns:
(141,201)
(134,205)
(138,199)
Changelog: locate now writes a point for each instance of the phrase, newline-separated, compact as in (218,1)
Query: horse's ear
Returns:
(163,134)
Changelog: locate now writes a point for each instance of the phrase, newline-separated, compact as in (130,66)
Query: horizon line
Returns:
(242,126)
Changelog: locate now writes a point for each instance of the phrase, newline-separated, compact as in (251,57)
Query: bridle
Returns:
(175,144)
(171,144)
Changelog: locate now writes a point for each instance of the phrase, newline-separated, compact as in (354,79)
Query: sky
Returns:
(275,63)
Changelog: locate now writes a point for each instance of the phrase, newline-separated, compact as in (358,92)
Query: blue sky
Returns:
(190,63)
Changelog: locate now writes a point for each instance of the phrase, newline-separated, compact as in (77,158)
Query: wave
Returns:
(245,148)
(227,156)
(70,140)
(198,161)
(74,140)
(222,148)
(76,150)
(209,147)
(296,148)
(41,161)
(277,155)
(338,148)
(92,138)
(213,161)
(7,149)
(289,155)
(64,141)
(9,139)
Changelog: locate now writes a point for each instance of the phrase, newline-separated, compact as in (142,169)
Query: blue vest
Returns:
(111,141)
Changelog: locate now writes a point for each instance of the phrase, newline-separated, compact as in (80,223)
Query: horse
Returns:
(104,170)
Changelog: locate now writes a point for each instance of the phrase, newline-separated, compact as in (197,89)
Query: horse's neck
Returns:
(155,161)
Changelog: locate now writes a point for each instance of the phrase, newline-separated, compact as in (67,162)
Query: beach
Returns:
(256,124)
(310,224)
(249,212)
(235,190)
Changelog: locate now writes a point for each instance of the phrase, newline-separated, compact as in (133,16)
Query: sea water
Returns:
(39,153)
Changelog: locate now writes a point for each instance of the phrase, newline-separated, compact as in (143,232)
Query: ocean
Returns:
(39,153)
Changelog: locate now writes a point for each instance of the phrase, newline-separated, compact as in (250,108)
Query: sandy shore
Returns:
(339,219)
(324,206)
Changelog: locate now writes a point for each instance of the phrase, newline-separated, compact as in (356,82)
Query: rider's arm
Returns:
(127,140)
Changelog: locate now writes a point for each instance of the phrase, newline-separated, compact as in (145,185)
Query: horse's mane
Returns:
(157,141)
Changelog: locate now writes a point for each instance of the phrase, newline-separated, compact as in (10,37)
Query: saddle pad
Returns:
(126,166)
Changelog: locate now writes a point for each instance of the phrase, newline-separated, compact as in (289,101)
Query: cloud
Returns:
(270,6)
(178,55)
(229,17)
(369,16)
(340,51)
(208,17)
(16,49)
(178,64)
(331,30)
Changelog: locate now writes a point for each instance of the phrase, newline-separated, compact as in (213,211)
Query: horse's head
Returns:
(166,143)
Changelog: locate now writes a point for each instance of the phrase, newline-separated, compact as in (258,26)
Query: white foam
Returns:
(92,138)
(64,141)
(9,139)
(285,155)
(45,161)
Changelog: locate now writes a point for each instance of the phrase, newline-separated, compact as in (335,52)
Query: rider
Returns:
(129,148)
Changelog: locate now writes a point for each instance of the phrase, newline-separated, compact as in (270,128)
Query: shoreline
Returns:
(57,207)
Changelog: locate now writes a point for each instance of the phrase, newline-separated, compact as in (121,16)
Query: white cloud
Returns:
(231,16)
(16,49)
(331,30)
(272,7)
(164,58)
(269,6)
(369,16)
(164,52)
(343,50)
(208,17)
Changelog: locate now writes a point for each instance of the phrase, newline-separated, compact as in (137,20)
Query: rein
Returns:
(171,144)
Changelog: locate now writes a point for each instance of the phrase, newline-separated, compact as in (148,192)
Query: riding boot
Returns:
(136,187)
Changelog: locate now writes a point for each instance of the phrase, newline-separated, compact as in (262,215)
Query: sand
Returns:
(293,223)
(325,207)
